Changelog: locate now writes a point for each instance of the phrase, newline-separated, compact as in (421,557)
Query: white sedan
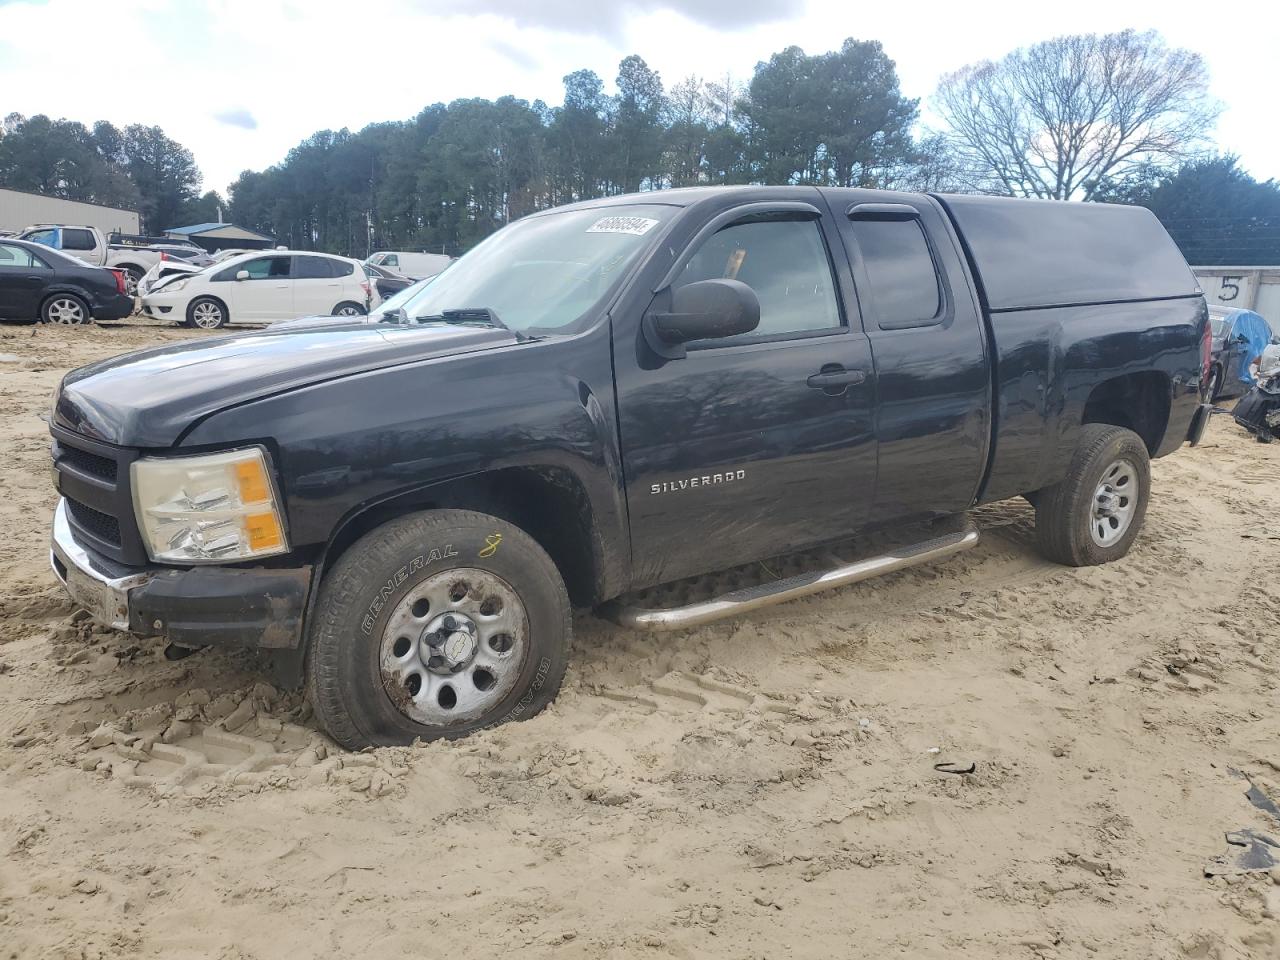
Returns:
(263,286)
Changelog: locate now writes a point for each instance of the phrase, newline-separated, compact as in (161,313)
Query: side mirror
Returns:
(705,310)
(242,274)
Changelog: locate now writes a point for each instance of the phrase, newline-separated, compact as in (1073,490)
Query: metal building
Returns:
(1253,288)
(221,236)
(19,209)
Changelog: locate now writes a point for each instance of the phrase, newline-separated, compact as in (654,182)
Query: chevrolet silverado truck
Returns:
(619,394)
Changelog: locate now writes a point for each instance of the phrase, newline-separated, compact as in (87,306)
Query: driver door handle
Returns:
(835,379)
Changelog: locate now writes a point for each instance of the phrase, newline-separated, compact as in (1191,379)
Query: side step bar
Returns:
(767,594)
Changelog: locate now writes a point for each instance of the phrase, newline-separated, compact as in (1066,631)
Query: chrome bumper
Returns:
(96,583)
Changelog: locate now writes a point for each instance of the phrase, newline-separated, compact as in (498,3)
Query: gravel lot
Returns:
(759,788)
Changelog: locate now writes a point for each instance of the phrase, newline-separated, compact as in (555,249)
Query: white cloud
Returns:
(298,66)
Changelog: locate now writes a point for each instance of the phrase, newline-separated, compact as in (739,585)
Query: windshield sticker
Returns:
(635,226)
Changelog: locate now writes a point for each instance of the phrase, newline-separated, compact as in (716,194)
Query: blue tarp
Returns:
(1257,333)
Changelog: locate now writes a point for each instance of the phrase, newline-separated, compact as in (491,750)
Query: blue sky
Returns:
(242,81)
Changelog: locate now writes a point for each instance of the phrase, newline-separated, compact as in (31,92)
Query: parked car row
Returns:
(263,285)
(133,255)
(40,283)
(49,274)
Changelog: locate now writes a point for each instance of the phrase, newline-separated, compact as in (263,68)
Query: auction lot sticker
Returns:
(635,226)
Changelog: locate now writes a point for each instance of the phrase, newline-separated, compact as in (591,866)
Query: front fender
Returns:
(346,445)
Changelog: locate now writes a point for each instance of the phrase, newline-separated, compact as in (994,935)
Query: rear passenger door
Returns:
(317,287)
(933,403)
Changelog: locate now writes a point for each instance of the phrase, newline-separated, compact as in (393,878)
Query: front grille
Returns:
(101,525)
(90,463)
(94,478)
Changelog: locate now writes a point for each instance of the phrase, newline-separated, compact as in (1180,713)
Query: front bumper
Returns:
(234,606)
(161,305)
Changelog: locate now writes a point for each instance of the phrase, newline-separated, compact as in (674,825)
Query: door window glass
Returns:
(20,258)
(784,261)
(391,260)
(266,268)
(904,282)
(46,237)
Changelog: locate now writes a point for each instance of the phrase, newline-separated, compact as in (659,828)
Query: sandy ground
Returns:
(759,788)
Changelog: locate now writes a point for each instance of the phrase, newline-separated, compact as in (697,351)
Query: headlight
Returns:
(173,287)
(209,509)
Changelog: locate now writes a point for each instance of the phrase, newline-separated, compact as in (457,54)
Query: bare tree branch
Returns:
(1075,115)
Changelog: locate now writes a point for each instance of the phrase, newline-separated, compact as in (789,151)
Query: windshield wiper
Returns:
(477,316)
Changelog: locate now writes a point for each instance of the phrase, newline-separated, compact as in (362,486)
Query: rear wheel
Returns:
(436,625)
(132,277)
(348,309)
(206,313)
(65,308)
(1094,515)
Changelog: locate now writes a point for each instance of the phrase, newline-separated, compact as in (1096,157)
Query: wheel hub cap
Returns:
(453,647)
(1114,503)
(448,644)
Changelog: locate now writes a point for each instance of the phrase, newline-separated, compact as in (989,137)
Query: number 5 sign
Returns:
(1228,289)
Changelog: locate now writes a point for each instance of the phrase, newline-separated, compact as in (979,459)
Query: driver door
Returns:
(754,445)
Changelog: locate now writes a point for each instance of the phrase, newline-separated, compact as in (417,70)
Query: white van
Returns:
(415,266)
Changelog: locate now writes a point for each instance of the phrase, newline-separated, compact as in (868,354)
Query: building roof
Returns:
(218,229)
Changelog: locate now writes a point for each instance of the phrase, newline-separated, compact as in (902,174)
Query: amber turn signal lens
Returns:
(263,531)
(251,477)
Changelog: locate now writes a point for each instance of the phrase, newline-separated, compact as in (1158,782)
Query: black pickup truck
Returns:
(618,394)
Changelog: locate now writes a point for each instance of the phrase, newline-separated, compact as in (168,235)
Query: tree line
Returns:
(456,172)
(134,168)
(1120,117)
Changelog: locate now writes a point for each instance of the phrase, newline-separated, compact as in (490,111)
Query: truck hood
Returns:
(149,398)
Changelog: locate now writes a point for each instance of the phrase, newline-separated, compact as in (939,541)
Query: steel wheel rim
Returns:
(1115,501)
(453,647)
(206,315)
(66,311)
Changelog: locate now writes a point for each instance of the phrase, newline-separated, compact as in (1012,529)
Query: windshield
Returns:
(403,297)
(546,272)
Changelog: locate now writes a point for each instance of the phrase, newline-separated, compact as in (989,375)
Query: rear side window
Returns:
(73,239)
(341,268)
(784,261)
(904,281)
(312,268)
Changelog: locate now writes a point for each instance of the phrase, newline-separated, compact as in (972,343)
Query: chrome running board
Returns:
(767,594)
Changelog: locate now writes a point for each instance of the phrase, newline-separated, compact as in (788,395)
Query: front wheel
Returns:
(348,309)
(436,625)
(1094,514)
(206,313)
